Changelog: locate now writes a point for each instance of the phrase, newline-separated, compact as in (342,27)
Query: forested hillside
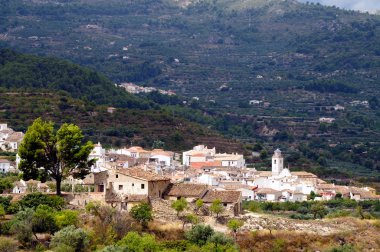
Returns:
(33,86)
(294,62)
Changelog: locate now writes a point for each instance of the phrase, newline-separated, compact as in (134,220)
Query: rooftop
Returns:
(186,190)
(224,196)
(138,172)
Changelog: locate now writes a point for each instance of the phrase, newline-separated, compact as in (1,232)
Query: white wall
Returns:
(4,167)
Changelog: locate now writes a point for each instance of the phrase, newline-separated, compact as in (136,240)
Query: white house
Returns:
(197,152)
(5,166)
(98,153)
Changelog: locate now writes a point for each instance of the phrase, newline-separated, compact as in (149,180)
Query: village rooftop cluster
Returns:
(128,176)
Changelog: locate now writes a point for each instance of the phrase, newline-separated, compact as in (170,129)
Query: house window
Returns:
(133,184)
(225,204)
(142,186)
(274,161)
(120,187)
(117,175)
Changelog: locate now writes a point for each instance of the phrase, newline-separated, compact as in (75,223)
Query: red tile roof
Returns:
(186,190)
(224,196)
(138,172)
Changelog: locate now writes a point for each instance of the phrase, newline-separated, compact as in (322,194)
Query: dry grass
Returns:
(365,238)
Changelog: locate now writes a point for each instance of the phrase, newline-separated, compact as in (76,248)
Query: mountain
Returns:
(295,61)
(34,86)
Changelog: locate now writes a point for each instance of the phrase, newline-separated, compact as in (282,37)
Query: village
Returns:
(128,176)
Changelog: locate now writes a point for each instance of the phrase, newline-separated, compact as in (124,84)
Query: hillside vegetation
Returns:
(299,60)
(33,86)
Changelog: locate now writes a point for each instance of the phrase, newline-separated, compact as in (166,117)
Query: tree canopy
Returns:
(56,153)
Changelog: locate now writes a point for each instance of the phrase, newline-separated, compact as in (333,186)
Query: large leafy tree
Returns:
(56,153)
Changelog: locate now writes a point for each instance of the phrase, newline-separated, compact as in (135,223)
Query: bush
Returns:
(199,234)
(5,202)
(70,237)
(33,200)
(66,218)
(8,245)
(22,227)
(5,227)
(338,214)
(301,216)
(135,242)
(43,220)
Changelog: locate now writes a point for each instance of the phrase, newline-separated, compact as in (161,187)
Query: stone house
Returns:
(128,187)
(190,192)
(231,200)
(136,181)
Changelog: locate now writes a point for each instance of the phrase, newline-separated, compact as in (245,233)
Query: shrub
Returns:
(7,245)
(338,213)
(199,234)
(70,237)
(66,218)
(344,248)
(22,226)
(220,239)
(301,216)
(5,227)
(43,220)
(135,242)
(33,200)
(5,202)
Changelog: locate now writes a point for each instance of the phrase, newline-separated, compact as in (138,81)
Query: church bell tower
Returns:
(277,163)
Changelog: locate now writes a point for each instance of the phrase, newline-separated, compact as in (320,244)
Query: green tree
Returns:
(189,219)
(198,205)
(216,207)
(142,213)
(60,153)
(234,225)
(318,209)
(199,234)
(179,205)
(73,239)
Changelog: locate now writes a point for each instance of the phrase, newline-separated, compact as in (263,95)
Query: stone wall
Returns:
(82,199)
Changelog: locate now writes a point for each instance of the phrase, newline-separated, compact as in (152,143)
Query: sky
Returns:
(362,5)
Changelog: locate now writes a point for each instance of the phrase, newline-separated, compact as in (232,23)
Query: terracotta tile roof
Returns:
(186,190)
(138,172)
(198,165)
(4,161)
(224,196)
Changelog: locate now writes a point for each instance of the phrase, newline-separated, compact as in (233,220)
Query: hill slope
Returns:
(33,86)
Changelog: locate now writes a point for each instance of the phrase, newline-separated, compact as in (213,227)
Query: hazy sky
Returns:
(362,5)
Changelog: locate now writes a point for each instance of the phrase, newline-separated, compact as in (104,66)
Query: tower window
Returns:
(274,161)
